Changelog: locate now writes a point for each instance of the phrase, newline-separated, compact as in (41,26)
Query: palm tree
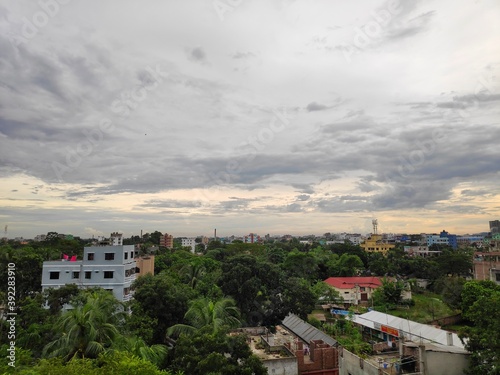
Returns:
(138,347)
(89,329)
(193,273)
(203,312)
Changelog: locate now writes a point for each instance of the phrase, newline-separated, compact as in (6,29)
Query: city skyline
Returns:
(267,117)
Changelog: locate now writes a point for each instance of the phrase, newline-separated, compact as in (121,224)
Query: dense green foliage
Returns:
(480,305)
(193,301)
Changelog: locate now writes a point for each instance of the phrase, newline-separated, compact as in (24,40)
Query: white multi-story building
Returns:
(109,267)
(116,239)
(189,242)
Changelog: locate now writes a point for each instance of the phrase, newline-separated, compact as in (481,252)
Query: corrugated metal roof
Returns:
(413,331)
(306,331)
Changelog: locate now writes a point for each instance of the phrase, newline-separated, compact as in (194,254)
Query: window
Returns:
(131,254)
(54,275)
(109,256)
(126,255)
(90,256)
(108,274)
(75,275)
(126,291)
(88,274)
(497,276)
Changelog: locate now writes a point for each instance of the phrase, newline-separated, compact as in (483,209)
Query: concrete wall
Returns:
(350,363)
(439,363)
(282,366)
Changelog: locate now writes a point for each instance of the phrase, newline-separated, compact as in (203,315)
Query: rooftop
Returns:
(349,282)
(413,331)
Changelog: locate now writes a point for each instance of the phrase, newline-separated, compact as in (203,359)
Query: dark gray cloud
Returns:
(302,197)
(313,106)
(198,54)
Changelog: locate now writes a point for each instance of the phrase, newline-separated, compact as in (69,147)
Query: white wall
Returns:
(283,366)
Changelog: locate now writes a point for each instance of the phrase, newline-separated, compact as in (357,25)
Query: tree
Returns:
(112,363)
(206,352)
(87,330)
(389,293)
(57,298)
(298,298)
(455,262)
(164,299)
(193,273)
(348,265)
(480,305)
(451,290)
(326,294)
(138,347)
(219,315)
(255,286)
(303,265)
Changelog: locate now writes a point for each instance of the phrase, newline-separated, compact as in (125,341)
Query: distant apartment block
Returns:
(167,240)
(474,240)
(354,238)
(252,238)
(494,227)
(189,242)
(487,262)
(110,267)
(421,251)
(116,239)
(436,239)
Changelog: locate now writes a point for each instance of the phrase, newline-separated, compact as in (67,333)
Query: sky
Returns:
(279,117)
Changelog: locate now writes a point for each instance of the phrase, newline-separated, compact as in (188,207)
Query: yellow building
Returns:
(375,244)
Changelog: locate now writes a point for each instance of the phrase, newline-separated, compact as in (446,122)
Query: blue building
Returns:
(452,239)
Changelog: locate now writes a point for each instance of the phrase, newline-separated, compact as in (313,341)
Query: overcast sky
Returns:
(249,116)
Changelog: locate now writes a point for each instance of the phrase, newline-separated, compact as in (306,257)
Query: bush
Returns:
(314,322)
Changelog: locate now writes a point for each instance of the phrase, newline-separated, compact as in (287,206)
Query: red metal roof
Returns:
(350,282)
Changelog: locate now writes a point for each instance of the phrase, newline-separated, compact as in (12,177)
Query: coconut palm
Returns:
(203,312)
(138,347)
(87,330)
(192,273)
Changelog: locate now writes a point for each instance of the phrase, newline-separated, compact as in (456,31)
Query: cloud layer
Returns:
(314,119)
